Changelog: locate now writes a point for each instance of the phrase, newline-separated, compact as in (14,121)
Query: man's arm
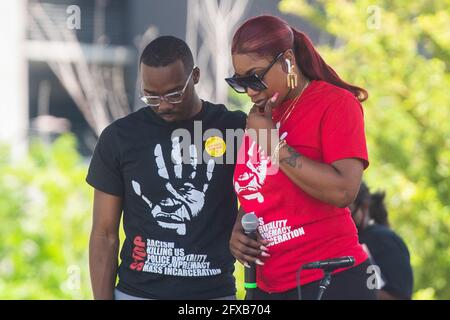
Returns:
(104,244)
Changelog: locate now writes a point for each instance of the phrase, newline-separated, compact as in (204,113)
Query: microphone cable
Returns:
(299,289)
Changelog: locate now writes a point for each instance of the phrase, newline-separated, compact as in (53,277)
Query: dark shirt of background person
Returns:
(387,250)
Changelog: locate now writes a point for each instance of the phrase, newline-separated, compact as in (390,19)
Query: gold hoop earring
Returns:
(291,77)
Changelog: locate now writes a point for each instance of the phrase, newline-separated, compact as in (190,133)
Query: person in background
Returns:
(386,249)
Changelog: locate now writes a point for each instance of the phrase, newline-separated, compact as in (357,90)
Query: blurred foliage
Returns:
(239,275)
(44,210)
(238,101)
(400,52)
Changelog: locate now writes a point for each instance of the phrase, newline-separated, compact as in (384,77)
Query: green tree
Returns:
(45,214)
(400,52)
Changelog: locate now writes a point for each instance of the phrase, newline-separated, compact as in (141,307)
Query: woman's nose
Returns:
(252,93)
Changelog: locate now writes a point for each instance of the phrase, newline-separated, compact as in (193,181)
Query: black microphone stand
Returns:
(324,283)
(328,266)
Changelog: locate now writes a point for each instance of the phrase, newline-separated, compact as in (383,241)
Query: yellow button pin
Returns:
(215,146)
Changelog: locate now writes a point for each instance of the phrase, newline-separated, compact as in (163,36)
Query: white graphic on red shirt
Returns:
(185,199)
(249,183)
(278,231)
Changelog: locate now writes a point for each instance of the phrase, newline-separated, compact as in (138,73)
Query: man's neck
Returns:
(197,107)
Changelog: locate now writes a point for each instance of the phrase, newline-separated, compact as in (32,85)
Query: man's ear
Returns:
(196,75)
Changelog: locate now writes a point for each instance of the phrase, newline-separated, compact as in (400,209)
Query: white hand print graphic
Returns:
(251,182)
(185,196)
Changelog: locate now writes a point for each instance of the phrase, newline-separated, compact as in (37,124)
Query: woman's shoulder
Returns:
(331,92)
(334,99)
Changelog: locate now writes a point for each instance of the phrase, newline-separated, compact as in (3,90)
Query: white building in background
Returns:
(13,75)
(38,93)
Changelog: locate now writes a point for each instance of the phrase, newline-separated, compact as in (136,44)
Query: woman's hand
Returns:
(260,124)
(245,249)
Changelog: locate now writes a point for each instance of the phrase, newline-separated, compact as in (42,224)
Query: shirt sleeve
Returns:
(237,120)
(243,123)
(104,172)
(240,120)
(342,132)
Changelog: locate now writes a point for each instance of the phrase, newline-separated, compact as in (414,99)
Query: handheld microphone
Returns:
(250,224)
(331,264)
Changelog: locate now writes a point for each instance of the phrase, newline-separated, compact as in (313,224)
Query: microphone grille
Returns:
(250,222)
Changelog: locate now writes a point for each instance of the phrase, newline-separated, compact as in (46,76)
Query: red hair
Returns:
(268,36)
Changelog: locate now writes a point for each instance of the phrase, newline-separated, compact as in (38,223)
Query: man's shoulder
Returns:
(131,118)
(233,118)
(129,122)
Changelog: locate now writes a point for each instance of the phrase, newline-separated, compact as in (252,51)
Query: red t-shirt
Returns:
(325,125)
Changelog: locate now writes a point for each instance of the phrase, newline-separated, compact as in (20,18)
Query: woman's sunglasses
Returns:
(254,81)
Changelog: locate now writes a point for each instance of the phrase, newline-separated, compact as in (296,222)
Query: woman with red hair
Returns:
(299,187)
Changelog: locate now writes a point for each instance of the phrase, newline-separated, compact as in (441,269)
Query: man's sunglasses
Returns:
(173,98)
(254,81)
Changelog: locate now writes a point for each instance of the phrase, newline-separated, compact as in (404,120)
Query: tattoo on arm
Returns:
(292,158)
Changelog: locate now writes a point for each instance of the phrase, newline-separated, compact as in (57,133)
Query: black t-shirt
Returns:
(179,206)
(390,253)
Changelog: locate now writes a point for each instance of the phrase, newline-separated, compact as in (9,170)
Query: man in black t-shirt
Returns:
(386,249)
(168,167)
